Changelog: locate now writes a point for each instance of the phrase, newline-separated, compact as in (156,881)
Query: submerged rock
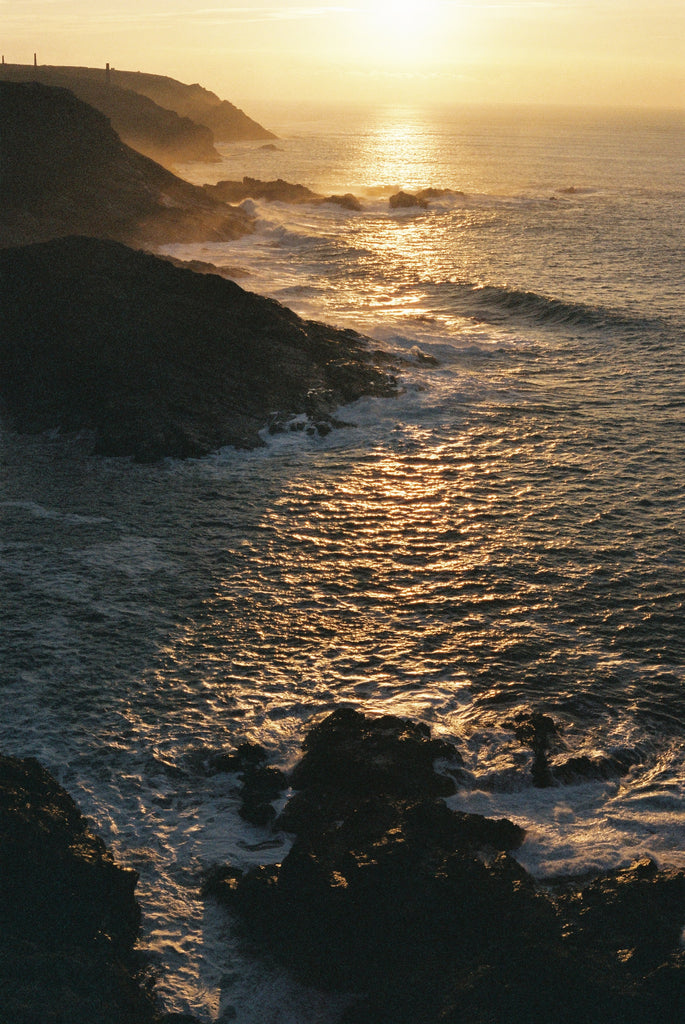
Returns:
(425,915)
(158,361)
(68,914)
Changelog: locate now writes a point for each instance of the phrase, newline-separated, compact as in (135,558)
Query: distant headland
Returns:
(159,116)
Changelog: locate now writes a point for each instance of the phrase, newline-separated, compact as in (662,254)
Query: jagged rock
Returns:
(157,360)
(68,913)
(420,199)
(406,201)
(423,912)
(538,732)
(261,785)
(277,191)
(437,193)
(346,201)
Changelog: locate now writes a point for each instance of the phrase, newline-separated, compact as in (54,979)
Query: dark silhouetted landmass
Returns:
(227,122)
(160,117)
(66,171)
(141,123)
(424,913)
(277,191)
(68,914)
(157,360)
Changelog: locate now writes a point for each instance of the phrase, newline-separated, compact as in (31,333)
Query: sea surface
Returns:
(507,534)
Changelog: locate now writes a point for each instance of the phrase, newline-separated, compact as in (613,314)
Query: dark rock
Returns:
(178,1018)
(261,785)
(537,731)
(635,913)
(277,191)
(65,171)
(437,193)
(68,914)
(609,766)
(406,201)
(156,360)
(351,756)
(346,201)
(423,912)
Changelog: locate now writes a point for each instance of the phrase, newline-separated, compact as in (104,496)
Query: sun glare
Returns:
(401,27)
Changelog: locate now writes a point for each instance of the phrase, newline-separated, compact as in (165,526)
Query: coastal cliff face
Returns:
(66,171)
(157,360)
(158,116)
(226,121)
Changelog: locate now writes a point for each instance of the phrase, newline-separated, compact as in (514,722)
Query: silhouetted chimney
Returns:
(107,73)
(35,60)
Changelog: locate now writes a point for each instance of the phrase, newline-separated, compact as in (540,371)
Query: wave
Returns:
(498,303)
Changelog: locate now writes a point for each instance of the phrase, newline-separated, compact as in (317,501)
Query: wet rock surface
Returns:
(156,360)
(277,191)
(425,915)
(68,914)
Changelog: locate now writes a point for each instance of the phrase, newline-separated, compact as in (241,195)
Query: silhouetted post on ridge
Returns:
(35,60)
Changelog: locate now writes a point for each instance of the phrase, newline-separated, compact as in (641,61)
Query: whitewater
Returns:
(506,534)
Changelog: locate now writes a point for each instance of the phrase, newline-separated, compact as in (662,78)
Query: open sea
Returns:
(506,534)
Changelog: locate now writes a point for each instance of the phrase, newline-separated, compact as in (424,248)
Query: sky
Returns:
(376,52)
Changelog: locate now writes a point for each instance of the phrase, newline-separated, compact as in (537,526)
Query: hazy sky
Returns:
(625,52)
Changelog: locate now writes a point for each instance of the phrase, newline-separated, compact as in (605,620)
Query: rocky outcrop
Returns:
(421,199)
(65,171)
(426,916)
(68,913)
(156,360)
(277,191)
(406,201)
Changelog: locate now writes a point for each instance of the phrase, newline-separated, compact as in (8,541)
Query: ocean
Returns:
(507,534)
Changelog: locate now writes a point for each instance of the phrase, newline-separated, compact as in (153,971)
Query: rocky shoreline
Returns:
(424,913)
(420,913)
(155,360)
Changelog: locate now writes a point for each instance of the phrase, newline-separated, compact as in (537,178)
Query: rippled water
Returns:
(507,533)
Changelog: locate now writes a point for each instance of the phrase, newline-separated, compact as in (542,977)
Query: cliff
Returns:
(143,124)
(227,122)
(160,117)
(66,171)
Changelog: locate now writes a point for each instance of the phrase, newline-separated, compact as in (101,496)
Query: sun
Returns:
(401,27)
(406,14)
